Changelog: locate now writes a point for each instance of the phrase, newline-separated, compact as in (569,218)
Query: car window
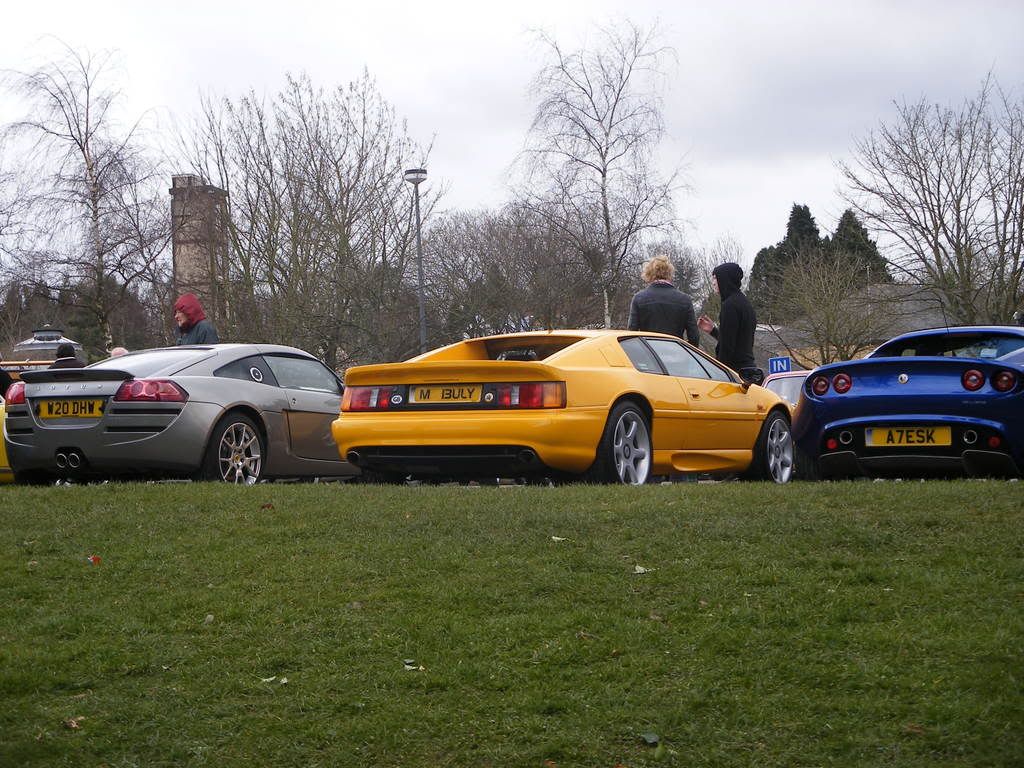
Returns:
(252,368)
(787,387)
(303,373)
(715,371)
(977,345)
(640,355)
(677,359)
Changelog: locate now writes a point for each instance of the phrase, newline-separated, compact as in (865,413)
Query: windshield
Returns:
(142,364)
(986,346)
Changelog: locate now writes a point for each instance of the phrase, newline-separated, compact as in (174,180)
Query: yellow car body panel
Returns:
(6,475)
(696,425)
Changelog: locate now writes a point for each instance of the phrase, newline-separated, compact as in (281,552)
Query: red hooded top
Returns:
(190,306)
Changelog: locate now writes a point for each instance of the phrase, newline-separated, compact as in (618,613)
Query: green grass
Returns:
(845,624)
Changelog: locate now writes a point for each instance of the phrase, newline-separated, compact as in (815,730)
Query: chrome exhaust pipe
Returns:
(970,437)
(62,461)
(353,458)
(845,437)
(74,460)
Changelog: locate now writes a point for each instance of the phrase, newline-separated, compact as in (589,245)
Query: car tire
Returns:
(235,452)
(806,466)
(624,453)
(31,477)
(773,452)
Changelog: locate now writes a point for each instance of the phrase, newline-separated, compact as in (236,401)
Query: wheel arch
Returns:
(257,418)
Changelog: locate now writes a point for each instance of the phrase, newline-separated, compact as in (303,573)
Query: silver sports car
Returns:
(234,412)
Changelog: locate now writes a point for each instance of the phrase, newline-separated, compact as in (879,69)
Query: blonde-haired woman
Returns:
(661,307)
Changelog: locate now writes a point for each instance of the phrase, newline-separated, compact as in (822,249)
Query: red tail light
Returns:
(16,393)
(831,444)
(819,385)
(366,398)
(537,394)
(973,379)
(995,441)
(1004,381)
(150,391)
(841,383)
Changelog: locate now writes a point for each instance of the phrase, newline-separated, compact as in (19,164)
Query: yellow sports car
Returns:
(602,406)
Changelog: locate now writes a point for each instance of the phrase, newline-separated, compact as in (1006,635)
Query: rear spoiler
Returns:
(74,374)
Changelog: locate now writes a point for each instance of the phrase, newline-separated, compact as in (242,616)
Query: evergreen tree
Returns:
(802,238)
(851,241)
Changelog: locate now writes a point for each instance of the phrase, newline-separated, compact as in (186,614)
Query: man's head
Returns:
(118,351)
(728,278)
(188,311)
(65,350)
(658,268)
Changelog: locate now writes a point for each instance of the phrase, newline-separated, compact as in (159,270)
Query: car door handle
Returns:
(695,395)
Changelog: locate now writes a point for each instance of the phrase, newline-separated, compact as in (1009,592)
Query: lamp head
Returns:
(415,175)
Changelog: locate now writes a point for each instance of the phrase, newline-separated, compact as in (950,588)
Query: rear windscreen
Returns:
(528,349)
(976,345)
(141,364)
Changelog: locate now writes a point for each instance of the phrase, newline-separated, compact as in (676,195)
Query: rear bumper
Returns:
(162,445)
(971,463)
(472,443)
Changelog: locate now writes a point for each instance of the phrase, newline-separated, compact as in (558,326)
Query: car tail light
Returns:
(1004,381)
(150,391)
(819,385)
(366,398)
(831,444)
(973,379)
(16,393)
(537,394)
(995,441)
(841,383)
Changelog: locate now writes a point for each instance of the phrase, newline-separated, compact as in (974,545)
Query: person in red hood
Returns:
(193,327)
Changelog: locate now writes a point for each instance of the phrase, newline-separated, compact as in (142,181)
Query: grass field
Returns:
(834,624)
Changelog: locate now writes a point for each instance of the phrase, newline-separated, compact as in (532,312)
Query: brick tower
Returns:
(199,241)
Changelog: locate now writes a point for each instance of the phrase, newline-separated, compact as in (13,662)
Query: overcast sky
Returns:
(765,98)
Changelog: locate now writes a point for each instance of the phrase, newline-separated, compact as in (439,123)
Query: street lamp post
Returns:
(415,176)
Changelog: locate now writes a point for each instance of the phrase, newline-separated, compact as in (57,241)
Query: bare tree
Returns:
(319,225)
(947,187)
(589,156)
(98,205)
(506,271)
(835,316)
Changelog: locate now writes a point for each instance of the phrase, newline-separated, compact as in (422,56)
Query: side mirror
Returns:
(752,375)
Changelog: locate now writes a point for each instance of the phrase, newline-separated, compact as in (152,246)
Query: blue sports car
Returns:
(940,402)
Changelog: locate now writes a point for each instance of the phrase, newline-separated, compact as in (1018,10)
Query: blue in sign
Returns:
(778,365)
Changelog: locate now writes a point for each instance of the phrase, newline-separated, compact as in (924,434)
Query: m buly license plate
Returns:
(70,408)
(907,437)
(445,393)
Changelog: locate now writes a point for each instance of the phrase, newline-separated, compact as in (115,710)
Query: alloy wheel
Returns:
(239,455)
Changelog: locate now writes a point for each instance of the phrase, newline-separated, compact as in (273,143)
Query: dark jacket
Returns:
(737,321)
(662,308)
(67,362)
(196,329)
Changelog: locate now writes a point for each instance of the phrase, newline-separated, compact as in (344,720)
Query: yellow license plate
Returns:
(67,408)
(907,437)
(445,393)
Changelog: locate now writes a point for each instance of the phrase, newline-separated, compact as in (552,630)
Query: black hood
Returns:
(729,277)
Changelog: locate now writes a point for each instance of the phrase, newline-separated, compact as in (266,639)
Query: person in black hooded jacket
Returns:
(736,322)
